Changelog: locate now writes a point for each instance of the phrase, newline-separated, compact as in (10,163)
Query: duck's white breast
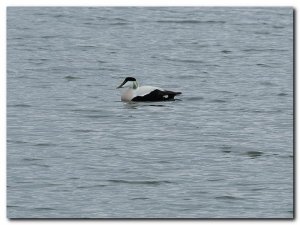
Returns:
(127,95)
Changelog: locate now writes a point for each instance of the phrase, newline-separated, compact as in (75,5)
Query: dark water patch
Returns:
(86,46)
(164,162)
(92,96)
(20,105)
(84,130)
(259,189)
(40,59)
(49,36)
(266,111)
(278,27)
(254,50)
(215,179)
(263,65)
(97,116)
(184,60)
(44,144)
(262,32)
(141,182)
(62,16)
(226,151)
(282,94)
(212,65)
(139,198)
(226,148)
(267,83)
(108,69)
(31,159)
(13,206)
(40,165)
(254,154)
(44,209)
(156,105)
(218,101)
(24,182)
(18,142)
(119,24)
(226,51)
(227,197)
(191,21)
(89,23)
(92,186)
(70,78)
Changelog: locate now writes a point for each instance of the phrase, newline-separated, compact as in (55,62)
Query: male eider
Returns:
(135,93)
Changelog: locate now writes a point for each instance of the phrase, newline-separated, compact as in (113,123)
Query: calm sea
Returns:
(223,150)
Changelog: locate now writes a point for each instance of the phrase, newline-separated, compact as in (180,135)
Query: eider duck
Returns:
(135,93)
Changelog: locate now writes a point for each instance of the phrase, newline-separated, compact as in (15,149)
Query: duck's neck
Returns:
(135,85)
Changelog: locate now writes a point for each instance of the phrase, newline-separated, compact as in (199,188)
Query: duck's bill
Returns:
(121,84)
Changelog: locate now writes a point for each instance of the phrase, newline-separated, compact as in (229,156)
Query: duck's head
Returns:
(129,82)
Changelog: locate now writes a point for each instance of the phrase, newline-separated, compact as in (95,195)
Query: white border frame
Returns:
(5,3)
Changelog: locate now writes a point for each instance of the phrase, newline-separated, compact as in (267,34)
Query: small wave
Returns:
(278,27)
(13,206)
(226,149)
(40,165)
(219,101)
(84,131)
(146,182)
(282,94)
(49,36)
(267,83)
(18,142)
(262,32)
(254,154)
(44,144)
(139,198)
(227,197)
(86,46)
(44,209)
(185,60)
(253,50)
(97,116)
(263,65)
(119,23)
(215,179)
(20,105)
(31,159)
(108,69)
(191,21)
(69,78)
(92,186)
(226,51)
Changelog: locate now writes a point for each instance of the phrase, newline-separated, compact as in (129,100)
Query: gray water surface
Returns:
(223,150)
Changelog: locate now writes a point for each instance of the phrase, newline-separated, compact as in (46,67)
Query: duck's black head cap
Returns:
(130,79)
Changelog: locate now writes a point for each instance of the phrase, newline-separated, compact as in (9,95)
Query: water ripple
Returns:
(191,21)
(146,182)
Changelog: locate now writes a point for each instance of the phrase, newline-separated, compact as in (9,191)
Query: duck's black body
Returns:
(156,95)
